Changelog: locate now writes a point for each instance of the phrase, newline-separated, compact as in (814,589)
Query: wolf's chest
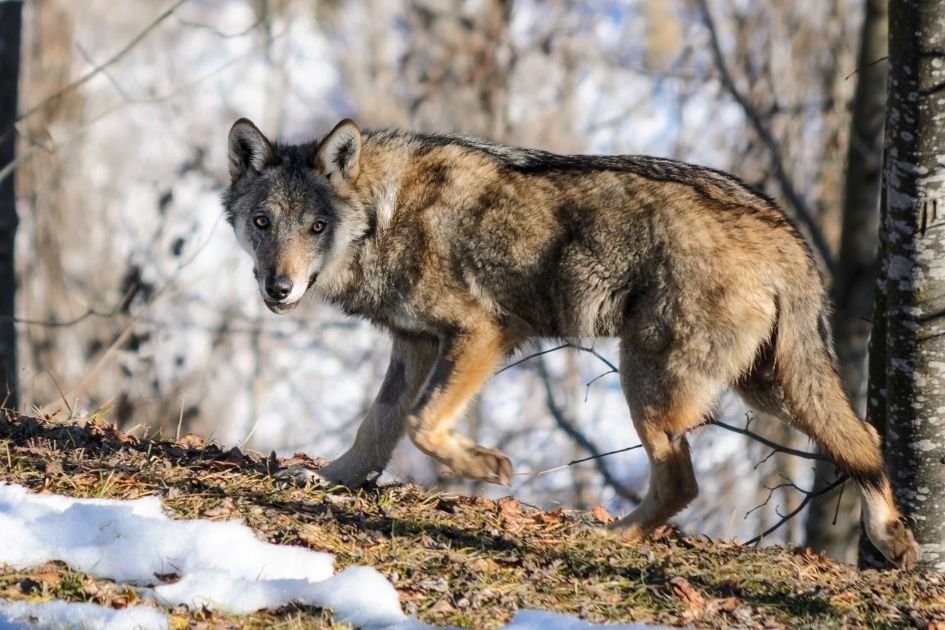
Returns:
(403,319)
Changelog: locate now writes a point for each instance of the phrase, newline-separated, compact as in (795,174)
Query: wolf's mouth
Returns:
(312,280)
(280,307)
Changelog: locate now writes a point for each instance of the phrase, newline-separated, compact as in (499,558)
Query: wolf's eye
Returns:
(261,221)
(318,227)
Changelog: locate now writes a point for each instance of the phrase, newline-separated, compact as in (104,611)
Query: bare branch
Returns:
(587,387)
(798,205)
(85,78)
(532,356)
(583,459)
(602,358)
(90,312)
(126,101)
(260,19)
(769,443)
(102,359)
(566,425)
(808,496)
(771,491)
(612,369)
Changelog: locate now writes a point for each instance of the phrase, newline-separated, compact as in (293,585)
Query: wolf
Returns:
(464,250)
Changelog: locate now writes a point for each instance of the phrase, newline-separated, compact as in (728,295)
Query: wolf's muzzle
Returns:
(279,307)
(278,288)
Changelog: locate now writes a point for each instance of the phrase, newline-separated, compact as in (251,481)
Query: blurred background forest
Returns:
(134,300)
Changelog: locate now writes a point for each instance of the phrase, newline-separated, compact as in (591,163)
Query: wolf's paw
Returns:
(333,474)
(624,531)
(485,464)
(299,475)
(900,548)
(341,472)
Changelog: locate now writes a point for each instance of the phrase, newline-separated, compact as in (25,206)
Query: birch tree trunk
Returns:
(10,23)
(833,522)
(907,371)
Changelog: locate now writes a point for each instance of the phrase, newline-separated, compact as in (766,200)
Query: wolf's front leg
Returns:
(382,427)
(466,359)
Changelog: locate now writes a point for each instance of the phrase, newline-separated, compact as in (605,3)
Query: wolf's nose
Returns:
(278,288)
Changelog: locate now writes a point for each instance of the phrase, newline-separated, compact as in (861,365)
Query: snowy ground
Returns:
(220,565)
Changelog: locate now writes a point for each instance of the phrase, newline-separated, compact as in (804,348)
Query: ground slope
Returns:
(454,560)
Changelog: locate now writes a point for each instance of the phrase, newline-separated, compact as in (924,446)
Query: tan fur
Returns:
(471,358)
(465,250)
(291,260)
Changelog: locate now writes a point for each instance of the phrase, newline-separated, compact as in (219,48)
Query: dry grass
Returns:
(463,561)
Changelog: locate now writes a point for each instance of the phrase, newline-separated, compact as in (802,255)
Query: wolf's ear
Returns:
(338,156)
(249,149)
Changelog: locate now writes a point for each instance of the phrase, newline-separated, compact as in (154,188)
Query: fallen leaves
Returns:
(550,518)
(224,510)
(601,515)
(696,605)
(514,519)
(192,441)
(510,514)
(85,480)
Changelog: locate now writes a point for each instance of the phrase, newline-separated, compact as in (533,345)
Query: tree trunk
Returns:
(10,21)
(911,287)
(855,278)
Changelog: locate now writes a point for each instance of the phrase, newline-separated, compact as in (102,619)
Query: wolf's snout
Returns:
(278,288)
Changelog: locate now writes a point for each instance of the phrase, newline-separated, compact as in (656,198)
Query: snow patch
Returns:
(58,614)
(131,541)
(364,596)
(221,564)
(537,620)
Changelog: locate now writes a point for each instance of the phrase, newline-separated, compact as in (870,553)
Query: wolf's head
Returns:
(291,206)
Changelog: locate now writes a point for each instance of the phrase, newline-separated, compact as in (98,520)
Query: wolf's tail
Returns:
(813,394)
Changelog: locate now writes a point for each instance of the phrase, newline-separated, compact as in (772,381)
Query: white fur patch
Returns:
(876,517)
(243,239)
(334,264)
(385,204)
(875,511)
(479,292)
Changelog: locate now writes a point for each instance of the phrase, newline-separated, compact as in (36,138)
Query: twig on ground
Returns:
(808,496)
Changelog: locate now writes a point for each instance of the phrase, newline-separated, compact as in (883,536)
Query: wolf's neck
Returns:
(382,169)
(352,277)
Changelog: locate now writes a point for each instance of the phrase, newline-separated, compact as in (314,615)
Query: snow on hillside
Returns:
(220,565)
(197,563)
(60,614)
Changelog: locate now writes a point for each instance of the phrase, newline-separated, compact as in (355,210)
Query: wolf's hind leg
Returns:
(663,409)
(411,361)
(802,387)
(464,362)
